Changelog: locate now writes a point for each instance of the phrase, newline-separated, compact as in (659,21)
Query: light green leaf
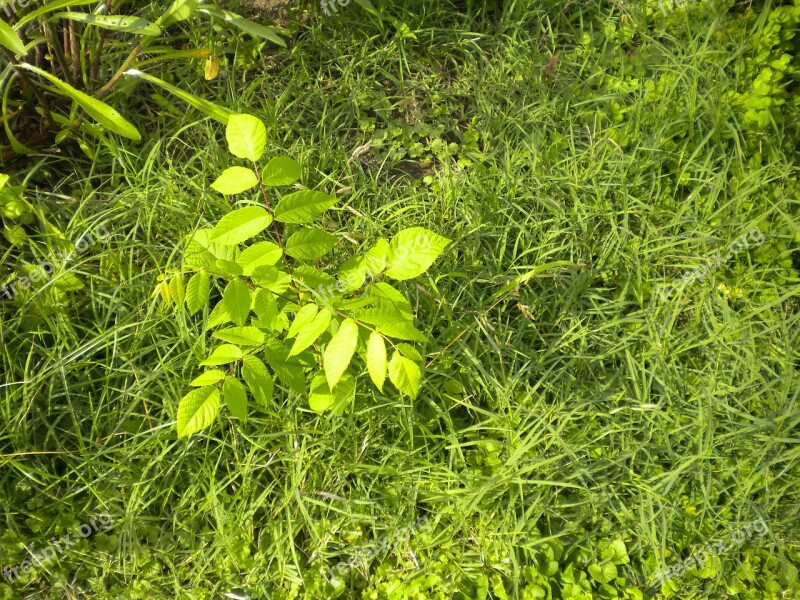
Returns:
(312,279)
(308,335)
(235,397)
(246,137)
(219,113)
(237,301)
(97,109)
(321,398)
(123,23)
(180,10)
(242,336)
(201,253)
(226,268)
(303,207)
(412,252)
(240,225)
(603,573)
(409,351)
(303,317)
(401,330)
(258,380)
(360,270)
(48,8)
(280,170)
(223,355)
(245,25)
(208,378)
(197,291)
(310,243)
(219,316)
(235,180)
(376,359)
(258,255)
(339,351)
(10,40)
(265,307)
(392,299)
(405,374)
(197,410)
(290,372)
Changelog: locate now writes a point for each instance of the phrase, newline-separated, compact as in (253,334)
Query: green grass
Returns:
(581,408)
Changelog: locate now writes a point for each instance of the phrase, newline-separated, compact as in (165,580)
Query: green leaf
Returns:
(527,276)
(339,351)
(197,291)
(201,253)
(219,316)
(10,40)
(208,378)
(309,334)
(240,225)
(412,252)
(235,180)
(197,410)
(241,336)
(245,25)
(617,552)
(247,137)
(405,374)
(219,113)
(280,170)
(265,307)
(237,301)
(303,207)
(291,372)
(223,355)
(123,23)
(401,330)
(259,255)
(321,398)
(303,317)
(258,380)
(180,10)
(603,573)
(409,352)
(48,8)
(235,397)
(376,359)
(98,110)
(310,244)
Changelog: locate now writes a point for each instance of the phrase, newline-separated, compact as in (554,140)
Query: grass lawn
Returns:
(574,433)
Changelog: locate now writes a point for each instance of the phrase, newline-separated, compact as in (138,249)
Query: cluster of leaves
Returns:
(291,314)
(15,211)
(773,71)
(56,53)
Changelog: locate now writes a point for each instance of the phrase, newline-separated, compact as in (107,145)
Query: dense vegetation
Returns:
(582,384)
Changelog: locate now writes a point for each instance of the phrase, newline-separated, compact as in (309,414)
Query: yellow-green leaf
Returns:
(235,397)
(197,410)
(376,359)
(235,180)
(339,351)
(240,225)
(405,374)
(97,109)
(246,137)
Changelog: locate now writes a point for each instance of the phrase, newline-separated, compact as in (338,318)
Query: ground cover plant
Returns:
(576,433)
